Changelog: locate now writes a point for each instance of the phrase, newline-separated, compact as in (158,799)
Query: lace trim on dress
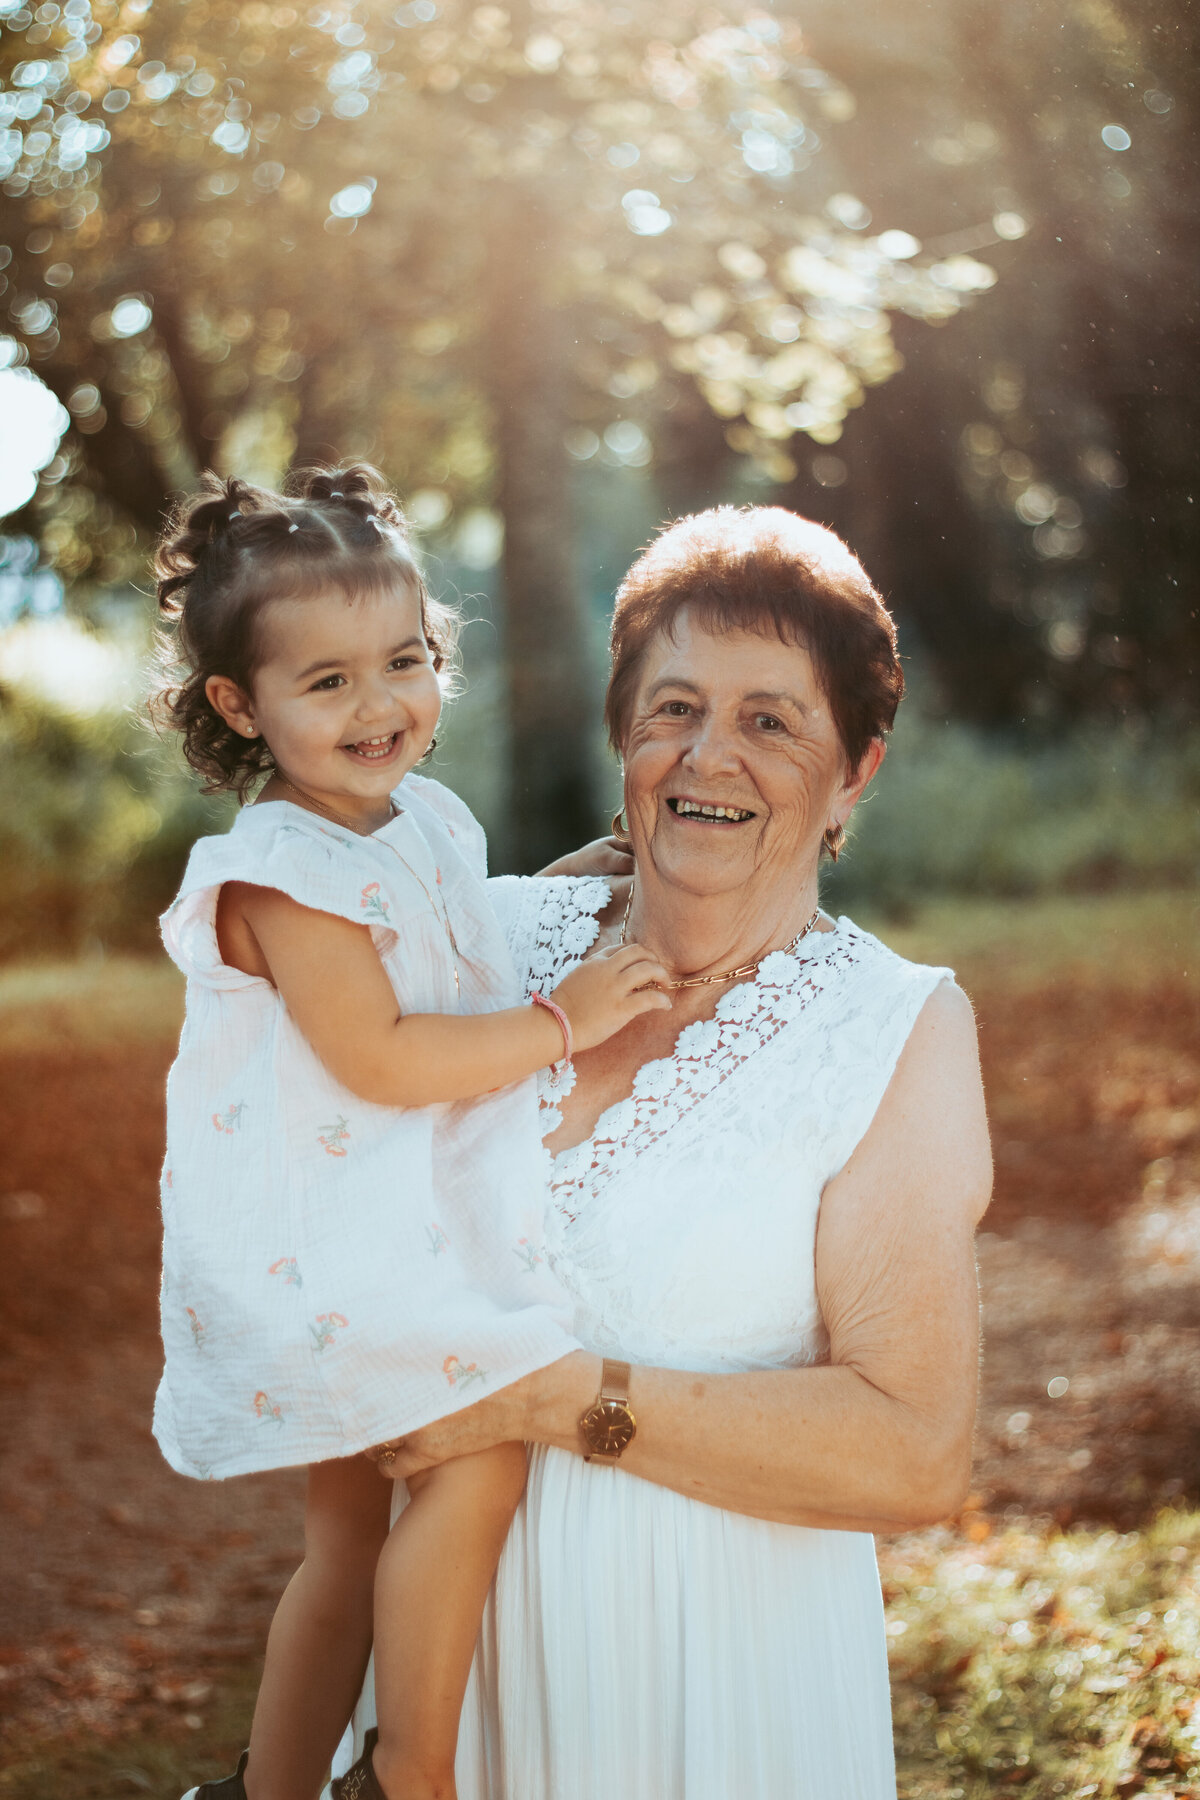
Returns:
(567,926)
(706,1054)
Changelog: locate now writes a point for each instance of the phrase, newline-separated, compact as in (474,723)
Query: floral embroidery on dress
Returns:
(230,1120)
(332,1138)
(289,1268)
(266,1409)
(438,1241)
(527,1256)
(373,903)
(196,1326)
(327,1324)
(462,1374)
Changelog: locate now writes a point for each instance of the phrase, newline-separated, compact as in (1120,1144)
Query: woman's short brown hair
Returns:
(763,569)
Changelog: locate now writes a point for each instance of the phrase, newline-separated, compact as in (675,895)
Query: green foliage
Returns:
(1065,1665)
(959,811)
(97,823)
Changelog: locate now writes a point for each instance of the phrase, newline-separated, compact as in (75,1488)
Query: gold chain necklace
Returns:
(744,971)
(440,912)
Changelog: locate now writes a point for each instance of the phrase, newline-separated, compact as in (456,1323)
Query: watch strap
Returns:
(614,1381)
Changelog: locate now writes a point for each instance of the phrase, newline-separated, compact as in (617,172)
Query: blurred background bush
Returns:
(566,270)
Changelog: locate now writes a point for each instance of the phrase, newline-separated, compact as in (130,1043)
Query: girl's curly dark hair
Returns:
(227,552)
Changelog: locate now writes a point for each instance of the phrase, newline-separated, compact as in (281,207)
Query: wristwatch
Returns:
(608,1426)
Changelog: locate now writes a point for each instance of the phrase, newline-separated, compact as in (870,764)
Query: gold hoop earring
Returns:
(835,840)
(620,828)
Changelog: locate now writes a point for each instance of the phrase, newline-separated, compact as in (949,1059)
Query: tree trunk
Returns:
(552,704)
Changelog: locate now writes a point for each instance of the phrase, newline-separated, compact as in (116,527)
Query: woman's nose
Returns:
(712,749)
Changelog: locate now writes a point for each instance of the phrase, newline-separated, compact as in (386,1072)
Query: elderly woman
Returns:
(762,1203)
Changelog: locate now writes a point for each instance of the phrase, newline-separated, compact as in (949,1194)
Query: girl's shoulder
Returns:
(439,812)
(275,845)
(270,840)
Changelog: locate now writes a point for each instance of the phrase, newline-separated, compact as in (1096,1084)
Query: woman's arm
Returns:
(879,1439)
(330,978)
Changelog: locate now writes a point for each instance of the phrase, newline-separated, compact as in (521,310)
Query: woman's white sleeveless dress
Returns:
(639,1645)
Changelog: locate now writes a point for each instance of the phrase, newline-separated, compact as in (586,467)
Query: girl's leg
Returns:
(320,1637)
(432,1581)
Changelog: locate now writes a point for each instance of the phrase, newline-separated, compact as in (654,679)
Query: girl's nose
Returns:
(380,700)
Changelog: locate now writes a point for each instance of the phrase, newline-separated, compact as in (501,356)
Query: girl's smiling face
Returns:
(345,694)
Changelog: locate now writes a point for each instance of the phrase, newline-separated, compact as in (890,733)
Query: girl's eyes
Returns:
(328,683)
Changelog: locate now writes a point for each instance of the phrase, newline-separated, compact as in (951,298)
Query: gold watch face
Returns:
(608,1427)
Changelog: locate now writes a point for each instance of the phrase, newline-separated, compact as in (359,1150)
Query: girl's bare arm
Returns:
(333,983)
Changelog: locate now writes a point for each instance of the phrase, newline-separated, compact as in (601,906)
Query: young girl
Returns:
(353,1184)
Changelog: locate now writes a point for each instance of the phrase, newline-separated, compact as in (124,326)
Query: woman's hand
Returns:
(509,1416)
(603,856)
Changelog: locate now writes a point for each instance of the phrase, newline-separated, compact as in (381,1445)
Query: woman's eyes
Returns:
(766,722)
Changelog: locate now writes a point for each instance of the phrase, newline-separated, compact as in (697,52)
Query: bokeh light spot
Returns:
(129,316)
(1116,137)
(353,201)
(898,246)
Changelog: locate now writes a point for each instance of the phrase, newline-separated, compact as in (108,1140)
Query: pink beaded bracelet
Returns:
(564,1025)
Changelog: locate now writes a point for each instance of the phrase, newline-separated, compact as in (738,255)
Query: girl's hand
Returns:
(603,856)
(603,994)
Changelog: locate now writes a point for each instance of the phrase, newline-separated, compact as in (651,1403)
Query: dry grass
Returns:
(1059,1664)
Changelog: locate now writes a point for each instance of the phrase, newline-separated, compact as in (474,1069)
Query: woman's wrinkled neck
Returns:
(699,934)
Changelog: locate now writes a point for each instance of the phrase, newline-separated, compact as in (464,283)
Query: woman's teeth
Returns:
(374,749)
(692,809)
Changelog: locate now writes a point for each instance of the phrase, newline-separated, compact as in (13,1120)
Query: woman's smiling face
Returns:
(733,764)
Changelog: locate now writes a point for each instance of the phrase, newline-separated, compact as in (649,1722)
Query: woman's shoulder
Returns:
(549,921)
(861,951)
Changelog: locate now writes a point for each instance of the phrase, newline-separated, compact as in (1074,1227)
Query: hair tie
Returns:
(337,494)
(292,528)
(236,514)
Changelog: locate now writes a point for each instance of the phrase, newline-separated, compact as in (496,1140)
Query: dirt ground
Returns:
(127,1590)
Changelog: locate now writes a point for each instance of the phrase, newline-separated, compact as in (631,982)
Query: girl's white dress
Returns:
(334,1272)
(639,1645)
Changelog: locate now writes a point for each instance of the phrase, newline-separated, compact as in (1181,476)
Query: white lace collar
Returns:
(705,1053)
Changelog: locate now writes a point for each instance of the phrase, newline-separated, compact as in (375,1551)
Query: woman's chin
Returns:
(703,868)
